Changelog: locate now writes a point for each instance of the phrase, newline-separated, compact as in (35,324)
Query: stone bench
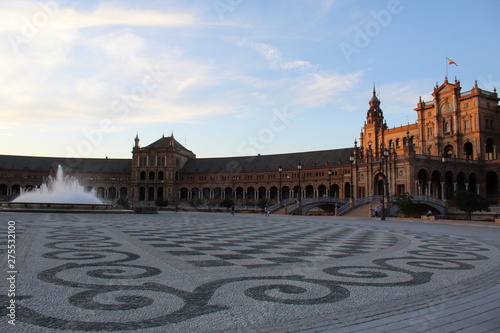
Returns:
(429,218)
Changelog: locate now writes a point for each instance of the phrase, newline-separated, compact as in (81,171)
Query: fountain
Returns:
(60,193)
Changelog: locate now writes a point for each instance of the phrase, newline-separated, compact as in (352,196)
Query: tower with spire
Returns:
(373,129)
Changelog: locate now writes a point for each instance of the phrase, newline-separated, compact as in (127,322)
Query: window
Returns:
(447,128)
(467,124)
(429,132)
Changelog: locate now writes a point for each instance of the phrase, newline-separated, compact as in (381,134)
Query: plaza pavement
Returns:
(214,272)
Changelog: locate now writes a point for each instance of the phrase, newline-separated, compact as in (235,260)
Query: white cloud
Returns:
(275,57)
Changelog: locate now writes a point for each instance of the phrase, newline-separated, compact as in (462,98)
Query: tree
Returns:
(196,202)
(469,202)
(161,203)
(262,203)
(405,203)
(228,203)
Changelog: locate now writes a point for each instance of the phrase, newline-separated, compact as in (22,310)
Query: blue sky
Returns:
(227,77)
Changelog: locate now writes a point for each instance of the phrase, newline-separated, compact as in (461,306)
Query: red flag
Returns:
(451,62)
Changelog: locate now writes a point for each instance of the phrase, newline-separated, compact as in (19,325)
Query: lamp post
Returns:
(330,183)
(385,155)
(443,159)
(351,159)
(299,194)
(280,170)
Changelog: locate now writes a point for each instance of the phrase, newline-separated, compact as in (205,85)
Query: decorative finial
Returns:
(475,83)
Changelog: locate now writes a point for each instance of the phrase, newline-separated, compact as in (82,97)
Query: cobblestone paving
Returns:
(187,272)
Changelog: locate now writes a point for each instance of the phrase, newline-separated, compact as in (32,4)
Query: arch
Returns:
(448,151)
(15,189)
(468,150)
(228,193)
(461,181)
(436,184)
(347,190)
(205,194)
(161,175)
(250,193)
(123,193)
(273,193)
(217,193)
(489,149)
(3,189)
(262,192)
(195,193)
(142,175)
(472,183)
(322,191)
(151,175)
(285,193)
(422,179)
(446,107)
(448,187)
(491,180)
(447,127)
(100,192)
(142,194)
(309,191)
(151,194)
(239,193)
(112,193)
(159,193)
(296,191)
(184,193)
(334,191)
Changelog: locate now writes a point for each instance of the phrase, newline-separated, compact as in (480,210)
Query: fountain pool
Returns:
(59,193)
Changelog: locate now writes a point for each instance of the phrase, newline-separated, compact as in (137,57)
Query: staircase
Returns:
(361,211)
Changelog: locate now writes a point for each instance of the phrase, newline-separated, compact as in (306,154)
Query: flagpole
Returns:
(446,62)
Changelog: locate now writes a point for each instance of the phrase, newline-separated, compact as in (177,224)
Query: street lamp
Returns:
(385,155)
(330,183)
(443,159)
(280,170)
(351,159)
(299,167)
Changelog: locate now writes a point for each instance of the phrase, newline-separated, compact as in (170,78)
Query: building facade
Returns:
(451,147)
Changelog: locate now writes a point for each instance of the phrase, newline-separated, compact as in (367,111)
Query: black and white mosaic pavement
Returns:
(216,272)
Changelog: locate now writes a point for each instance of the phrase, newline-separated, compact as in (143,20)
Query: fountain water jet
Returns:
(59,193)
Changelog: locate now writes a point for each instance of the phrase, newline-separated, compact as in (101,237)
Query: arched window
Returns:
(489,149)
(468,150)
(448,151)
(143,175)
(447,128)
(446,107)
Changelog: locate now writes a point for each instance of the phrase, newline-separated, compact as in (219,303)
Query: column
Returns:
(443,196)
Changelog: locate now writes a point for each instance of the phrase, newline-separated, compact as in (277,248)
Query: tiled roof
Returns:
(166,142)
(266,162)
(70,164)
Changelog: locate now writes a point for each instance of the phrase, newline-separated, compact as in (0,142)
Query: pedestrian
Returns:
(232,210)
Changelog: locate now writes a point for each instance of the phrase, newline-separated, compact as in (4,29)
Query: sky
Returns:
(228,77)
